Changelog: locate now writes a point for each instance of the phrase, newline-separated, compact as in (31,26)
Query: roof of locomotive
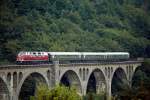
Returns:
(31,52)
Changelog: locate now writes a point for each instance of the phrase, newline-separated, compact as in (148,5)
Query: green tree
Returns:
(57,93)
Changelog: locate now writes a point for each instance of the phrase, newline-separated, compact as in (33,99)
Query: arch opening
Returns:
(87,71)
(137,79)
(48,74)
(141,78)
(71,79)
(4,92)
(84,73)
(97,82)
(119,82)
(80,72)
(8,78)
(30,84)
(14,80)
(20,76)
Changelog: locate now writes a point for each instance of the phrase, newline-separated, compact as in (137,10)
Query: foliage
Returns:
(74,25)
(92,96)
(140,86)
(57,93)
(142,74)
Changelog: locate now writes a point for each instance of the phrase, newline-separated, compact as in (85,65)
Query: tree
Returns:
(59,92)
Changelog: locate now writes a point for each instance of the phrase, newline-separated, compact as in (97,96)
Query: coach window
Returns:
(114,56)
(39,53)
(102,56)
(118,56)
(123,56)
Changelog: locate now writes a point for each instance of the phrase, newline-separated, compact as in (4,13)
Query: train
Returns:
(25,57)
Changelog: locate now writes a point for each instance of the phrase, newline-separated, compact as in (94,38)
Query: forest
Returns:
(79,25)
(74,25)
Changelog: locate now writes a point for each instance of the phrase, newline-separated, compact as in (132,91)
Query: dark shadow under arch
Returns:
(8,78)
(136,78)
(70,78)
(97,82)
(4,92)
(14,80)
(141,81)
(20,76)
(141,76)
(119,81)
(29,86)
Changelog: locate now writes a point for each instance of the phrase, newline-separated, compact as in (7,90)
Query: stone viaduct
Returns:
(16,80)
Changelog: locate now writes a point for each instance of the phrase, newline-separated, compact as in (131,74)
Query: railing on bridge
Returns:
(75,63)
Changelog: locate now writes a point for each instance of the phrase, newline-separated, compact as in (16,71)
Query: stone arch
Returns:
(20,76)
(87,72)
(14,80)
(96,82)
(80,72)
(71,78)
(84,74)
(4,90)
(135,78)
(115,69)
(118,80)
(109,72)
(106,71)
(127,69)
(48,74)
(28,84)
(8,78)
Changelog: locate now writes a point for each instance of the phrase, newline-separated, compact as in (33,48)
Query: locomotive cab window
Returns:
(34,53)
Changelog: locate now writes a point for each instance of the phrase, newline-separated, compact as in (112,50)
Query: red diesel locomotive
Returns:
(28,57)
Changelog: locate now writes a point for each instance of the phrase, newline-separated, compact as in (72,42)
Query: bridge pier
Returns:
(4,96)
(109,96)
(56,71)
(11,88)
(15,96)
(83,88)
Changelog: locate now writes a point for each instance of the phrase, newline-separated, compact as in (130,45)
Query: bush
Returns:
(57,93)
